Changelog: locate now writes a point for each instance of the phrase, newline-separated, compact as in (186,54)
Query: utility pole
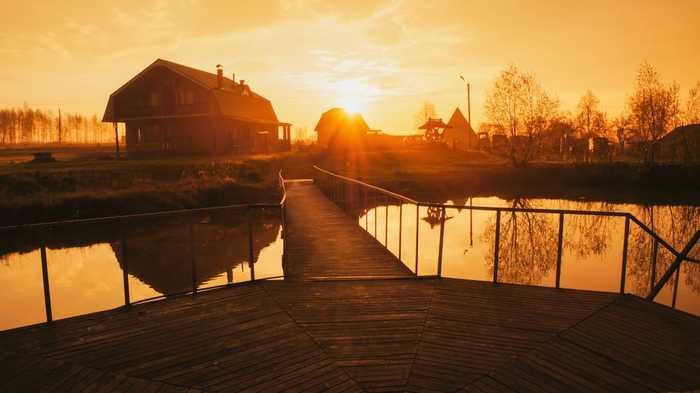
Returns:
(469,100)
(59,126)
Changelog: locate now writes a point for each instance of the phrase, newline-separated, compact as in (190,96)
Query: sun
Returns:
(352,104)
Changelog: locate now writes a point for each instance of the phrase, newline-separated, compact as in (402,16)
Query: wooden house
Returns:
(172,108)
(337,127)
(459,134)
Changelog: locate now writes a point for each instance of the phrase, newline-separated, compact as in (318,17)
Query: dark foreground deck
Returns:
(351,335)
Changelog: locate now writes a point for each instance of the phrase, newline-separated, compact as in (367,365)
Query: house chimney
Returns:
(219,75)
(242,82)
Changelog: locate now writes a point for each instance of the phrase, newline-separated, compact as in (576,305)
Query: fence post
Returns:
(251,252)
(400,225)
(624,255)
(442,237)
(654,252)
(125,267)
(193,260)
(47,290)
(497,246)
(417,227)
(559,248)
(364,207)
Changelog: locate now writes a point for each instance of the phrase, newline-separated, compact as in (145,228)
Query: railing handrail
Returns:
(629,215)
(674,266)
(376,188)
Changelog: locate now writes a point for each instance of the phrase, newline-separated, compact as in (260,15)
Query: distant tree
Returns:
(591,121)
(519,105)
(654,109)
(427,111)
(621,127)
(301,133)
(692,107)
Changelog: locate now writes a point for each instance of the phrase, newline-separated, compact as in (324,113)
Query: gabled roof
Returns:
(433,123)
(680,134)
(336,118)
(233,100)
(459,122)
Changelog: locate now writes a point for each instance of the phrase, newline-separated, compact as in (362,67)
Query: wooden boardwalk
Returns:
(324,243)
(352,335)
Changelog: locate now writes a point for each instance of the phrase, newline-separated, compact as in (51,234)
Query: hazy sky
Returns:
(385,57)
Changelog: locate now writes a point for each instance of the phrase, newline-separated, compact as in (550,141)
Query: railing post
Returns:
(624,255)
(251,251)
(442,237)
(559,248)
(386,223)
(375,218)
(364,207)
(497,246)
(675,287)
(674,266)
(417,227)
(47,290)
(124,256)
(400,225)
(654,252)
(193,259)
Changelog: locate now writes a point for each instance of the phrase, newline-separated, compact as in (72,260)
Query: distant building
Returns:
(682,145)
(459,133)
(172,108)
(434,129)
(337,127)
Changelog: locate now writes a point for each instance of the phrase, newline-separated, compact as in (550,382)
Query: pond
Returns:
(592,246)
(85,262)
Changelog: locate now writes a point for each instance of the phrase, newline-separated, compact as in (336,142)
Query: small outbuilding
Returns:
(459,133)
(338,127)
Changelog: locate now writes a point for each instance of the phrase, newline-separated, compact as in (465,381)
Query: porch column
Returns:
(116,140)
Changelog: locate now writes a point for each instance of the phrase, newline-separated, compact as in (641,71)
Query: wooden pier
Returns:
(352,318)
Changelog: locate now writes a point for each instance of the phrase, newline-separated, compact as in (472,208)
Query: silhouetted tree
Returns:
(427,111)
(519,105)
(27,125)
(654,109)
(590,120)
(691,114)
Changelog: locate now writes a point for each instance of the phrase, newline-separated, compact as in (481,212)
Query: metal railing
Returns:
(122,221)
(350,193)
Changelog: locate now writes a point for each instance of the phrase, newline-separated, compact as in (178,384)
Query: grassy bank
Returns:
(89,185)
(437,174)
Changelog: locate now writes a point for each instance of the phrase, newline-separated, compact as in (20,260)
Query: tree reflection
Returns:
(527,250)
(676,225)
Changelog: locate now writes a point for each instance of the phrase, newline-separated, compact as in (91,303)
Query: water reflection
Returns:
(592,246)
(85,262)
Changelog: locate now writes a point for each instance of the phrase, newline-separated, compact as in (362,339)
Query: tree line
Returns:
(518,107)
(30,126)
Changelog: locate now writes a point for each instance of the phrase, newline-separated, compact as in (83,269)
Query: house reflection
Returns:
(159,250)
(163,258)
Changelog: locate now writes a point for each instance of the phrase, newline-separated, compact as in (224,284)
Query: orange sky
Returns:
(386,57)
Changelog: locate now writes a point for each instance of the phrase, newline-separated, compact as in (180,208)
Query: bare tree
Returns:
(427,111)
(591,121)
(692,108)
(654,109)
(519,105)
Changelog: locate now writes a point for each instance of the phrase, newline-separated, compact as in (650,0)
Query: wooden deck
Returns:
(352,335)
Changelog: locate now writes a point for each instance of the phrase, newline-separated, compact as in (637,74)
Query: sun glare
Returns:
(351,104)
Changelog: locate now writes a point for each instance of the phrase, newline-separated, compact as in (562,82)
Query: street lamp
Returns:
(469,103)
